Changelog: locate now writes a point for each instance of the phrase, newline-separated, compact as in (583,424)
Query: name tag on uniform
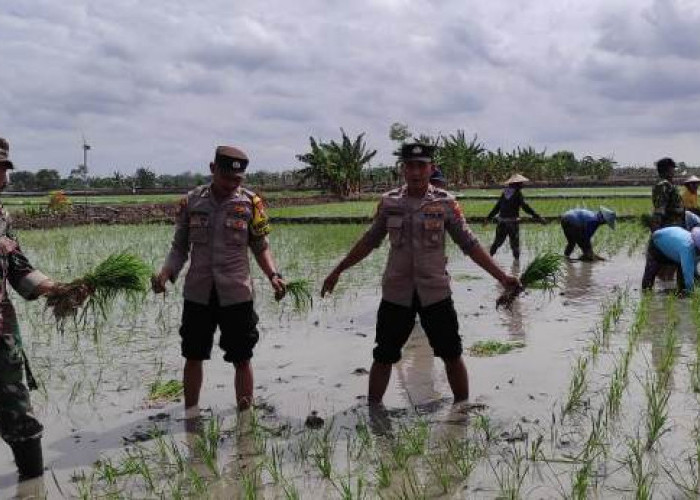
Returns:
(433,224)
(236,223)
(434,210)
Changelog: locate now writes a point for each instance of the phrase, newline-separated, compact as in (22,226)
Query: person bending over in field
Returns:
(580,225)
(674,246)
(416,217)
(216,225)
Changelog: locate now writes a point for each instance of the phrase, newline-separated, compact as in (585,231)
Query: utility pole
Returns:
(86,148)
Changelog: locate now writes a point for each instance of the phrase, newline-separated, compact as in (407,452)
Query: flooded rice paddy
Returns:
(597,400)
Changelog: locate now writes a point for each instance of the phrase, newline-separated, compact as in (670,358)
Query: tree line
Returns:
(342,167)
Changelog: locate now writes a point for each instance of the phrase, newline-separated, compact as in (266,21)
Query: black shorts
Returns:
(395,324)
(237,323)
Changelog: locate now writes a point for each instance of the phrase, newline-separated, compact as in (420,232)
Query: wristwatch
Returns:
(274,275)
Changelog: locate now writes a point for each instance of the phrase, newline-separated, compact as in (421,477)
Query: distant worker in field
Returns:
(507,210)
(580,225)
(689,194)
(18,426)
(417,217)
(216,225)
(668,206)
(673,246)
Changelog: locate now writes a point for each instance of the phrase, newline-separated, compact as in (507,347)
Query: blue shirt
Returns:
(677,244)
(587,220)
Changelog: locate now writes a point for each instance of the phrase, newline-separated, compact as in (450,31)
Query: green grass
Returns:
(485,348)
(167,390)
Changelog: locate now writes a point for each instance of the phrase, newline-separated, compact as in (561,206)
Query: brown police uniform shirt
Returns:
(416,229)
(216,237)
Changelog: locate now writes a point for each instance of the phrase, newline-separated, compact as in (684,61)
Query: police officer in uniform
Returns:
(216,226)
(417,217)
(18,426)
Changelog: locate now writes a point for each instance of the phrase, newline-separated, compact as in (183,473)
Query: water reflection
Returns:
(578,280)
(415,370)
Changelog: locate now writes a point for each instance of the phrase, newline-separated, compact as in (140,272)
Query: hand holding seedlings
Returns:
(159,280)
(278,285)
(119,274)
(542,272)
(300,291)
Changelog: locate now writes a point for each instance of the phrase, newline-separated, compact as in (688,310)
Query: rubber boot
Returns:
(29,458)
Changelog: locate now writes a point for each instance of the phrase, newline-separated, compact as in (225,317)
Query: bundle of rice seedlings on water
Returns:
(300,291)
(121,274)
(541,273)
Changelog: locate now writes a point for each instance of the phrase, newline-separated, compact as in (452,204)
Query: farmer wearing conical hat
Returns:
(215,227)
(417,217)
(689,194)
(508,209)
(18,426)
(580,225)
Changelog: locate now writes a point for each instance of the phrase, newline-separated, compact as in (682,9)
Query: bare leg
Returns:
(458,378)
(192,382)
(244,385)
(379,376)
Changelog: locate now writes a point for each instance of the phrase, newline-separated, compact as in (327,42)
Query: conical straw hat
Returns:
(516,179)
(692,178)
(608,216)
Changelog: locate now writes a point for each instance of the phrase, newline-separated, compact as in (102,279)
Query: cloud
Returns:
(161,83)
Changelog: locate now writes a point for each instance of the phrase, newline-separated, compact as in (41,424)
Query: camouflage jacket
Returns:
(668,206)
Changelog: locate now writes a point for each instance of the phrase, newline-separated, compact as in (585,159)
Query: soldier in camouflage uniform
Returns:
(18,427)
(668,205)
(216,226)
(417,217)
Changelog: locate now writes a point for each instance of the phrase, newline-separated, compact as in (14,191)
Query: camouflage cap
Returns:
(416,151)
(4,154)
(230,158)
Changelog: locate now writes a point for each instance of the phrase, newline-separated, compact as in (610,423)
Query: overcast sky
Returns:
(160,83)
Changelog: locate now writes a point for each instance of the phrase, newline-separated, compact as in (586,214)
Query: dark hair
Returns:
(664,165)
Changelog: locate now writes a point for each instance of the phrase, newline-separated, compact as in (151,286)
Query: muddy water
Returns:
(92,400)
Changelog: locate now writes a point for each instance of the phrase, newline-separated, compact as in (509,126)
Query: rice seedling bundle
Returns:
(541,273)
(300,291)
(120,274)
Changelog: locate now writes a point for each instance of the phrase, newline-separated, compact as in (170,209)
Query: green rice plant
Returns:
(510,473)
(657,396)
(618,382)
(382,473)
(345,488)
(580,483)
(290,491)
(482,423)
(438,463)
(168,390)
(542,272)
(249,482)
(411,487)
(642,477)
(273,463)
(300,292)
(323,449)
(207,444)
(577,386)
(463,455)
(409,441)
(485,348)
(689,484)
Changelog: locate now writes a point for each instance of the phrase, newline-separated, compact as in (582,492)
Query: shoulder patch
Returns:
(182,204)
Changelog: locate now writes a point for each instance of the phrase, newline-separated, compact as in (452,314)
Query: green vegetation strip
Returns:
(486,348)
